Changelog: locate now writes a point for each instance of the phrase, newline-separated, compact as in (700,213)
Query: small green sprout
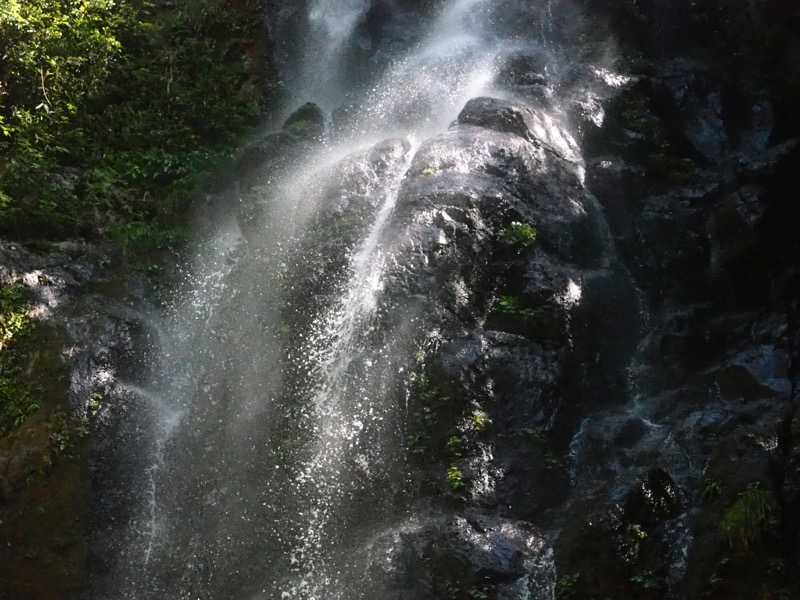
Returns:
(455,479)
(521,235)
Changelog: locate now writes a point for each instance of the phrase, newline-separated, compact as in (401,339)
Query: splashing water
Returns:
(276,430)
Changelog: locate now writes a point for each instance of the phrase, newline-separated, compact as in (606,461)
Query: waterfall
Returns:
(273,407)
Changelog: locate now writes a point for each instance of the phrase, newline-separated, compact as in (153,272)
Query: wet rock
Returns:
(757,371)
(498,115)
(499,173)
(457,556)
(654,498)
(308,121)
(256,161)
(521,69)
(736,222)
(764,162)
(525,74)
(621,186)
(79,346)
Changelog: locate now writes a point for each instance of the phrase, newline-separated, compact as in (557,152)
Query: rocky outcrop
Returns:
(590,312)
(81,345)
(712,380)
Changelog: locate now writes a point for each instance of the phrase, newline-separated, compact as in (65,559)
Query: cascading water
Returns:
(272,405)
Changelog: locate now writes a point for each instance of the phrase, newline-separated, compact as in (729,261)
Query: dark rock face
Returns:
(498,115)
(590,414)
(714,379)
(81,345)
(461,555)
(308,121)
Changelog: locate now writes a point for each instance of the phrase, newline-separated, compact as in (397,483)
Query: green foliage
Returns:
(455,479)
(511,305)
(634,61)
(416,444)
(635,533)
(456,445)
(520,235)
(565,586)
(481,592)
(142,235)
(306,129)
(427,392)
(551,461)
(57,54)
(776,566)
(430,170)
(16,403)
(65,435)
(531,435)
(95,401)
(420,355)
(646,579)
(663,160)
(748,518)
(636,115)
(480,420)
(711,490)
(115,108)
(14,319)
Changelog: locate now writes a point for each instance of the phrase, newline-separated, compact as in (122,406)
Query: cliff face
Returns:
(585,343)
(695,166)
(627,383)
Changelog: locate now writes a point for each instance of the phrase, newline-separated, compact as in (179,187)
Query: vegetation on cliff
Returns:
(112,110)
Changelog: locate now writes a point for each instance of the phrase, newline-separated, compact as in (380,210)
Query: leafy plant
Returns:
(16,402)
(65,434)
(531,435)
(748,517)
(430,170)
(646,579)
(565,586)
(148,235)
(419,356)
(14,319)
(306,129)
(95,401)
(635,533)
(114,111)
(456,445)
(776,566)
(521,235)
(480,420)
(416,444)
(511,305)
(455,479)
(711,490)
(481,592)
(551,461)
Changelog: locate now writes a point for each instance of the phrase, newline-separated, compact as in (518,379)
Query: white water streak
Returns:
(339,334)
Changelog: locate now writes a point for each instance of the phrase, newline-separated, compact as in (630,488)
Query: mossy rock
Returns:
(44,481)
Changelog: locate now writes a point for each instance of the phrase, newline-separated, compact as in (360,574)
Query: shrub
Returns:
(480,420)
(519,234)
(749,517)
(16,403)
(455,479)
(114,109)
(456,444)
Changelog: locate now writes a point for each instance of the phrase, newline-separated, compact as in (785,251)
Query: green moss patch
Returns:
(16,402)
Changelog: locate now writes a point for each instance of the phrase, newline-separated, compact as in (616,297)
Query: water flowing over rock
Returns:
(415,382)
(488,317)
